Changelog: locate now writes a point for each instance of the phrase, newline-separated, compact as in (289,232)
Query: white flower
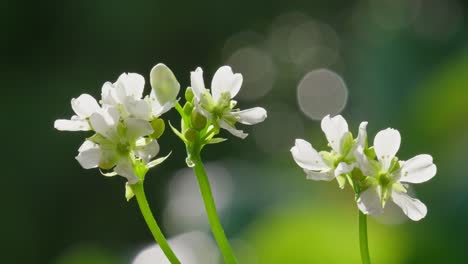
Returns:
(117,143)
(389,177)
(126,96)
(165,89)
(218,105)
(83,106)
(327,166)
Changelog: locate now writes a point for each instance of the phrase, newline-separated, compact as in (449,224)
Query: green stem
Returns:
(363,238)
(210,207)
(151,222)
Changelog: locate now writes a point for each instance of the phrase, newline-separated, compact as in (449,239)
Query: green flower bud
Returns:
(188,107)
(164,84)
(191,134)
(198,120)
(158,126)
(189,94)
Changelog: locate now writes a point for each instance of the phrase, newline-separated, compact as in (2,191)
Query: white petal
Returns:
(369,202)
(164,83)
(326,175)
(307,157)
(89,155)
(85,105)
(71,125)
(147,151)
(251,116)
(418,169)
(386,145)
(412,207)
(362,135)
(137,128)
(232,130)
(157,110)
(105,122)
(197,83)
(224,80)
(108,94)
(343,168)
(131,84)
(363,163)
(334,128)
(138,108)
(124,168)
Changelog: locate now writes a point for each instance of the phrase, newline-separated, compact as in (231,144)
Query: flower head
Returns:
(388,177)
(126,124)
(218,105)
(336,163)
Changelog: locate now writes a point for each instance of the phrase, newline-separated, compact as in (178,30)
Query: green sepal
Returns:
(177,132)
(215,140)
(370,153)
(158,126)
(108,174)
(157,161)
(128,192)
(341,179)
(191,134)
(347,143)
(188,108)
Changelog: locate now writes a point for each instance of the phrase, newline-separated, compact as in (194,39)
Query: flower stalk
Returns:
(363,245)
(153,226)
(215,223)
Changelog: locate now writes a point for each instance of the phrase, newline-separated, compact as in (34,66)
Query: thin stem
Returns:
(363,238)
(152,224)
(210,207)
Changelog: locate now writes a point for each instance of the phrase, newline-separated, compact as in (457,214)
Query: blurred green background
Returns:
(404,64)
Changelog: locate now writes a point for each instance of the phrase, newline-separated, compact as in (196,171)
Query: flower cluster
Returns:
(125,123)
(375,173)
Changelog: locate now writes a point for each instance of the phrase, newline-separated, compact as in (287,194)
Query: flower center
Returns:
(123,148)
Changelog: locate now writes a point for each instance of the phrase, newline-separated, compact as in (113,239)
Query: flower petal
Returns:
(224,80)
(232,130)
(105,122)
(164,83)
(363,163)
(335,129)
(108,94)
(147,150)
(361,139)
(327,175)
(89,155)
(124,168)
(71,125)
(251,116)
(129,84)
(412,207)
(418,169)
(137,128)
(85,105)
(386,145)
(197,83)
(307,157)
(343,168)
(138,108)
(369,202)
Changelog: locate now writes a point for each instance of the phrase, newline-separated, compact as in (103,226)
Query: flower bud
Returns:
(191,134)
(158,126)
(189,94)
(164,83)
(198,120)
(188,107)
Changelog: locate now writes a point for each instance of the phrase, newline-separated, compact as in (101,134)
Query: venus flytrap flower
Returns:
(219,106)
(83,106)
(126,126)
(203,115)
(337,163)
(374,182)
(388,177)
